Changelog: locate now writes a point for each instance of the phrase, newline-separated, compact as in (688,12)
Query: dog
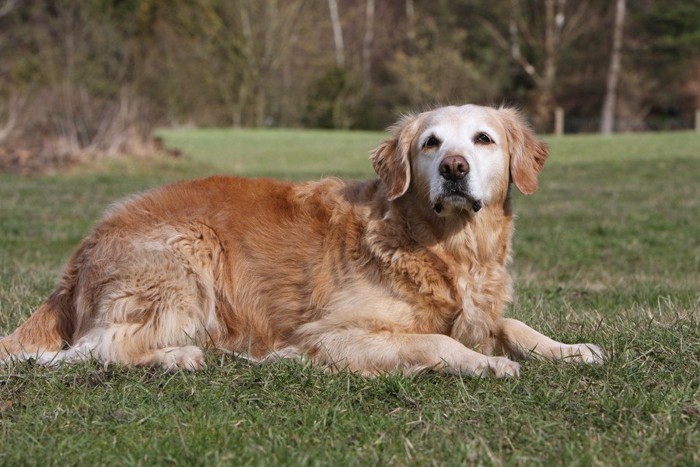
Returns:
(403,273)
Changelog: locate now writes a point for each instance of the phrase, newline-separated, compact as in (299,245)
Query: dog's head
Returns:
(460,158)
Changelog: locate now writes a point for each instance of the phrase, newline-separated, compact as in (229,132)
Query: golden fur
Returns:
(405,272)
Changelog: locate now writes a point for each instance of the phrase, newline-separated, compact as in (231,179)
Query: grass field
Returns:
(608,251)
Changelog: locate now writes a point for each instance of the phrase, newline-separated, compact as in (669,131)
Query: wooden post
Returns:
(558,121)
(697,119)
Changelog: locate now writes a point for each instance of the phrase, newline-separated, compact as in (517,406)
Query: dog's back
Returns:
(226,261)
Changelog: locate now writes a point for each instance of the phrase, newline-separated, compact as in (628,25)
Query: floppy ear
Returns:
(391,160)
(527,153)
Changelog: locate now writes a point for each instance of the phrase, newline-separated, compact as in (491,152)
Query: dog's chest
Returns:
(483,291)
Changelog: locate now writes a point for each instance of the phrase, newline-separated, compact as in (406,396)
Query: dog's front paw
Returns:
(189,357)
(499,367)
(583,353)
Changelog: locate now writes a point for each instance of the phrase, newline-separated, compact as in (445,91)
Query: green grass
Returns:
(292,154)
(608,251)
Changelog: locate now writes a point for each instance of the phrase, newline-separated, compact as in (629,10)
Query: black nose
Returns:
(454,168)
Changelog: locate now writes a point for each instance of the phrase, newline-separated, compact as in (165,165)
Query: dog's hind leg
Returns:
(106,347)
(151,308)
(159,325)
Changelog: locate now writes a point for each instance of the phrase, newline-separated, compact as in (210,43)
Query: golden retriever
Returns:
(401,273)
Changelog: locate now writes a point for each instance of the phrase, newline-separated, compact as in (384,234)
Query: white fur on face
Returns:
(457,129)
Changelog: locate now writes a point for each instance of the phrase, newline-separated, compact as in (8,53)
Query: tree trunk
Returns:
(545,104)
(15,106)
(337,34)
(7,7)
(367,44)
(246,91)
(544,95)
(608,114)
(411,20)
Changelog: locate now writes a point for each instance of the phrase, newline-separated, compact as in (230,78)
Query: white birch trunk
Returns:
(367,44)
(608,115)
(337,34)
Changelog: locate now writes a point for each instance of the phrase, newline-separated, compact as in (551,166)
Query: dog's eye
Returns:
(431,143)
(482,138)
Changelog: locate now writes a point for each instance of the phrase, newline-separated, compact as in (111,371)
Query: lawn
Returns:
(607,251)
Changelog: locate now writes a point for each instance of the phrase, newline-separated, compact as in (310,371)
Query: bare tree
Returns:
(337,34)
(608,115)
(411,20)
(367,44)
(545,41)
(246,46)
(7,7)
(545,76)
(11,111)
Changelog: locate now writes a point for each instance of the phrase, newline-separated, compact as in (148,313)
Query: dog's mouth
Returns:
(460,201)
(454,195)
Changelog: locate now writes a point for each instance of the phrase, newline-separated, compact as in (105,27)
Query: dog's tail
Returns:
(50,328)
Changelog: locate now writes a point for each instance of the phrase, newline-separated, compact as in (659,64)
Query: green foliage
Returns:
(674,32)
(261,63)
(606,251)
(665,51)
(332,100)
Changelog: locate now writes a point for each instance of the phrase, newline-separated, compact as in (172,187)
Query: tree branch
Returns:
(8,7)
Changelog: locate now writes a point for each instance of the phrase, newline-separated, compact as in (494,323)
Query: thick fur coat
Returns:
(402,273)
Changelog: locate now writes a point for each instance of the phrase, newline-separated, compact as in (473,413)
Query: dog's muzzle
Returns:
(476,204)
(453,171)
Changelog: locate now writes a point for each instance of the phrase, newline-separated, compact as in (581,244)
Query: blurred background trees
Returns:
(94,77)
